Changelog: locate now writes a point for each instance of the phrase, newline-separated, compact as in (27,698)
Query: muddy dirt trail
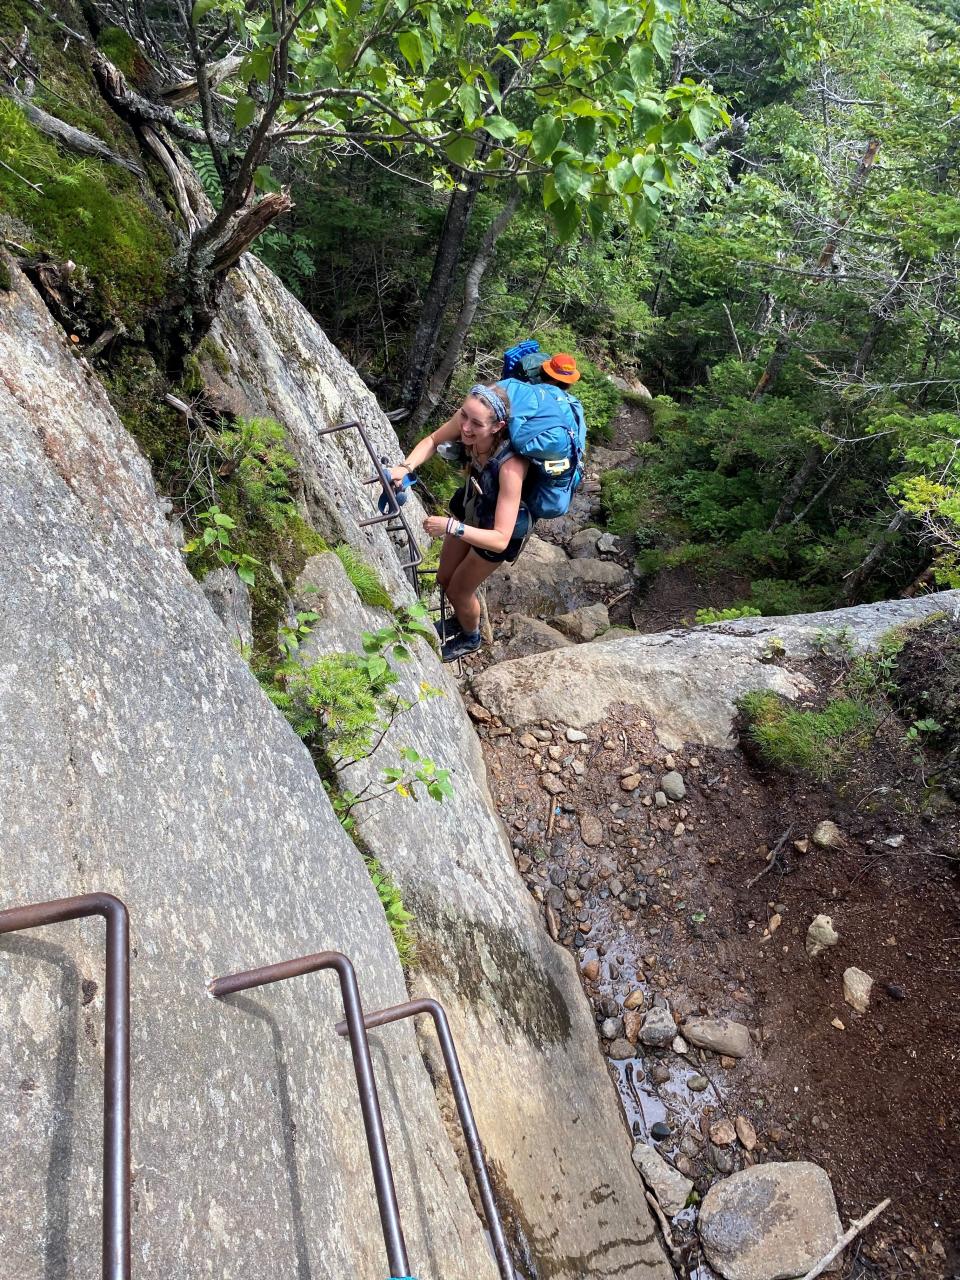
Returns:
(672,903)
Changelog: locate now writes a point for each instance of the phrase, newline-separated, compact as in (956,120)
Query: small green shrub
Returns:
(814,742)
(705,616)
(399,918)
(256,463)
(775,597)
(363,576)
(214,545)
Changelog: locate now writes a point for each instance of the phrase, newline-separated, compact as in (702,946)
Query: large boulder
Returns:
(583,545)
(770,1222)
(529,635)
(513,997)
(687,681)
(545,581)
(140,757)
(583,624)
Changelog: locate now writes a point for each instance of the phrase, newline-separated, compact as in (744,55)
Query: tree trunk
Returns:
(778,358)
(471,299)
(808,467)
(855,580)
(829,251)
(761,323)
(455,224)
(815,454)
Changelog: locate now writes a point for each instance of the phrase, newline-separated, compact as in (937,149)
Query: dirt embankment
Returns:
(675,899)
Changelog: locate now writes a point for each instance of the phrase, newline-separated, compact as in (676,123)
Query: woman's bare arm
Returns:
(427,447)
(512,474)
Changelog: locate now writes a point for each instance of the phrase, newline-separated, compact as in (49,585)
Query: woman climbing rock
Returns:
(489,522)
(523,448)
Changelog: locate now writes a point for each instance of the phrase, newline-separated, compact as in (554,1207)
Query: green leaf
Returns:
(264,180)
(244,111)
(410,45)
(260,63)
(585,132)
(475,19)
(701,120)
(461,150)
(499,127)
(437,91)
(662,37)
(469,98)
(596,217)
(646,113)
(567,181)
(246,574)
(201,9)
(547,132)
(566,219)
(640,60)
(493,88)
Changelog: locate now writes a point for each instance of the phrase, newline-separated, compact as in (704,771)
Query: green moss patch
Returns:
(813,742)
(89,212)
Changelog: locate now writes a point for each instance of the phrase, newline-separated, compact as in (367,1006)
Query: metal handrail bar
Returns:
(366,1084)
(394,510)
(411,1009)
(116,1073)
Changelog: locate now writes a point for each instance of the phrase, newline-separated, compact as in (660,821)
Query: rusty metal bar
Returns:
(394,510)
(116,1074)
(366,1084)
(410,1009)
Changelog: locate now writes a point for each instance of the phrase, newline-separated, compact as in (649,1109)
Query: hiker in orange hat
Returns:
(560,369)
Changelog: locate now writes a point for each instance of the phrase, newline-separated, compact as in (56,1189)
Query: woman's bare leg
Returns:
(452,554)
(462,589)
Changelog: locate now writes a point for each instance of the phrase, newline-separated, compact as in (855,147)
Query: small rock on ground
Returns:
(658,1028)
(820,935)
(591,830)
(746,1133)
(672,786)
(770,1221)
(722,1035)
(827,835)
(722,1132)
(856,988)
(621,1050)
(671,1188)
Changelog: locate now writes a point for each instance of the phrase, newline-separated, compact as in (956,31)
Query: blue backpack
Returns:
(523,361)
(547,427)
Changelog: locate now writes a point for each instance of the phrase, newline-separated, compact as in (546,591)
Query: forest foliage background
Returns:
(748,207)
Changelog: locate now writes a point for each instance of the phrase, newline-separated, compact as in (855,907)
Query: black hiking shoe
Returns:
(460,645)
(449,629)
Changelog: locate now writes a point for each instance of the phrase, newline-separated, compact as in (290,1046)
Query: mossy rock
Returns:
(92,213)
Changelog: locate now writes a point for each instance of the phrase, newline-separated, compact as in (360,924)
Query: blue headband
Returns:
(491,399)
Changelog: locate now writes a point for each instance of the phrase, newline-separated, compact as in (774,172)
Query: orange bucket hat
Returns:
(562,367)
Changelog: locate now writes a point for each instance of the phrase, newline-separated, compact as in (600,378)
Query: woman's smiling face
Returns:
(478,426)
